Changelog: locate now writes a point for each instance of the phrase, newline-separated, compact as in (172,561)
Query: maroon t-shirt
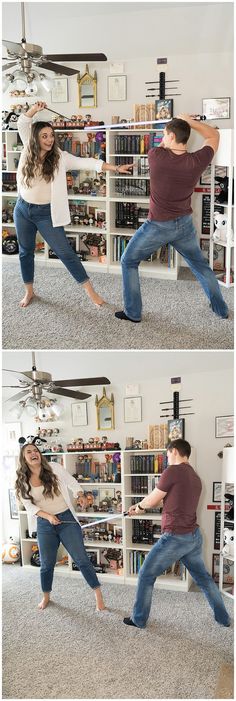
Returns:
(183,487)
(172,180)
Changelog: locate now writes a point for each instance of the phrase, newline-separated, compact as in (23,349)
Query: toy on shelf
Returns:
(228,543)
(92,444)
(9,242)
(220,234)
(10,551)
(136,444)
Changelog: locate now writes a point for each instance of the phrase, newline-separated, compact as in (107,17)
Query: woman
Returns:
(42,204)
(43,489)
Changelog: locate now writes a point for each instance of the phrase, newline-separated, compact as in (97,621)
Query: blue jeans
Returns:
(181,234)
(30,218)
(169,548)
(49,538)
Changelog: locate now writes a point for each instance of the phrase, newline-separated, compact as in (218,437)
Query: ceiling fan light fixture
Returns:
(17,410)
(56,409)
(5,82)
(31,407)
(45,82)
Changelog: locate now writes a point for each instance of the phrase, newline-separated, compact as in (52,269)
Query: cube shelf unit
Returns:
(224,158)
(153,268)
(228,478)
(68,460)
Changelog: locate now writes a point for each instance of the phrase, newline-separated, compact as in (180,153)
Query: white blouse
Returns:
(66,484)
(60,212)
(45,503)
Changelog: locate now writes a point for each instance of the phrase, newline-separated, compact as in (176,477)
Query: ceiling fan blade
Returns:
(9,65)
(12,386)
(77,57)
(69,393)
(49,66)
(22,375)
(13,49)
(82,382)
(19,395)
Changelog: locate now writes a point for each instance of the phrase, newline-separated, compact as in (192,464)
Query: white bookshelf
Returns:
(228,479)
(123,523)
(153,268)
(224,158)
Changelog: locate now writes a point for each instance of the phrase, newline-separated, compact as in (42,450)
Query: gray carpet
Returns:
(176,314)
(69,651)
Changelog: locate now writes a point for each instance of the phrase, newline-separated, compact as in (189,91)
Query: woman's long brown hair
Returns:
(47,477)
(32,161)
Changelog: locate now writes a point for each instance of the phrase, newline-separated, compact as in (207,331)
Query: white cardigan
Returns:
(65,482)
(60,212)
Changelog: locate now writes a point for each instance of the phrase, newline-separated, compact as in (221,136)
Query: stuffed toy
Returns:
(10,121)
(230,514)
(228,543)
(222,198)
(220,233)
(10,551)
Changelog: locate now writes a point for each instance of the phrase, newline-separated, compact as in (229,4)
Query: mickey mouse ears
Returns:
(31,440)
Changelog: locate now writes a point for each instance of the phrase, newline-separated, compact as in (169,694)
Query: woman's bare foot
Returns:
(100,606)
(27,299)
(44,602)
(95,298)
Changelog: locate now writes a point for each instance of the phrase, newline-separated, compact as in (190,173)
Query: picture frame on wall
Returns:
(11,434)
(216,492)
(164,109)
(224,426)
(79,414)
(176,429)
(217,530)
(116,87)
(228,570)
(59,92)
(13,504)
(132,409)
(216,107)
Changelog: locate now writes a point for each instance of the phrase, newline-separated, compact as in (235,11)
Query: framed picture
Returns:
(206,215)
(12,433)
(79,414)
(163,109)
(228,569)
(217,530)
(216,107)
(219,258)
(175,429)
(216,494)
(224,426)
(117,87)
(205,178)
(59,91)
(13,503)
(132,409)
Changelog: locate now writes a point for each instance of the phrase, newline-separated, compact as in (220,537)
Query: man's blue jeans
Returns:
(30,218)
(169,548)
(70,535)
(181,234)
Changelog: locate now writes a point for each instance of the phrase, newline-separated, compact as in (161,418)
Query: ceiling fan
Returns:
(34,383)
(27,56)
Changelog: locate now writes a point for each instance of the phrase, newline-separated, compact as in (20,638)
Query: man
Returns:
(173,175)
(179,487)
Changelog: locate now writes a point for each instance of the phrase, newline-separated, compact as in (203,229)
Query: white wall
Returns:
(212,395)
(200,75)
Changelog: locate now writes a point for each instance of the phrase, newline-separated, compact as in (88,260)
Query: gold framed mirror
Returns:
(87,87)
(105,412)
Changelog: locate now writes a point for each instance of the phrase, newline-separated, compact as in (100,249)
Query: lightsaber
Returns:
(102,520)
(124,125)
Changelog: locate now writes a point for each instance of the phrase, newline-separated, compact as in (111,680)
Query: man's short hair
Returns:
(183,447)
(180,128)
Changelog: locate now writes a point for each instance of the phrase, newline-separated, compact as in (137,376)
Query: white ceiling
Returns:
(121,367)
(124,30)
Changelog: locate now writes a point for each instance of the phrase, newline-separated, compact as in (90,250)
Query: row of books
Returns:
(137,143)
(143,484)
(143,531)
(78,148)
(136,560)
(89,469)
(140,165)
(165,256)
(129,215)
(148,463)
(155,510)
(126,186)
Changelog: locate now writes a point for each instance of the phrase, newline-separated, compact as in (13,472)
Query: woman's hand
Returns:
(53,520)
(132,510)
(36,108)
(82,501)
(125,168)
